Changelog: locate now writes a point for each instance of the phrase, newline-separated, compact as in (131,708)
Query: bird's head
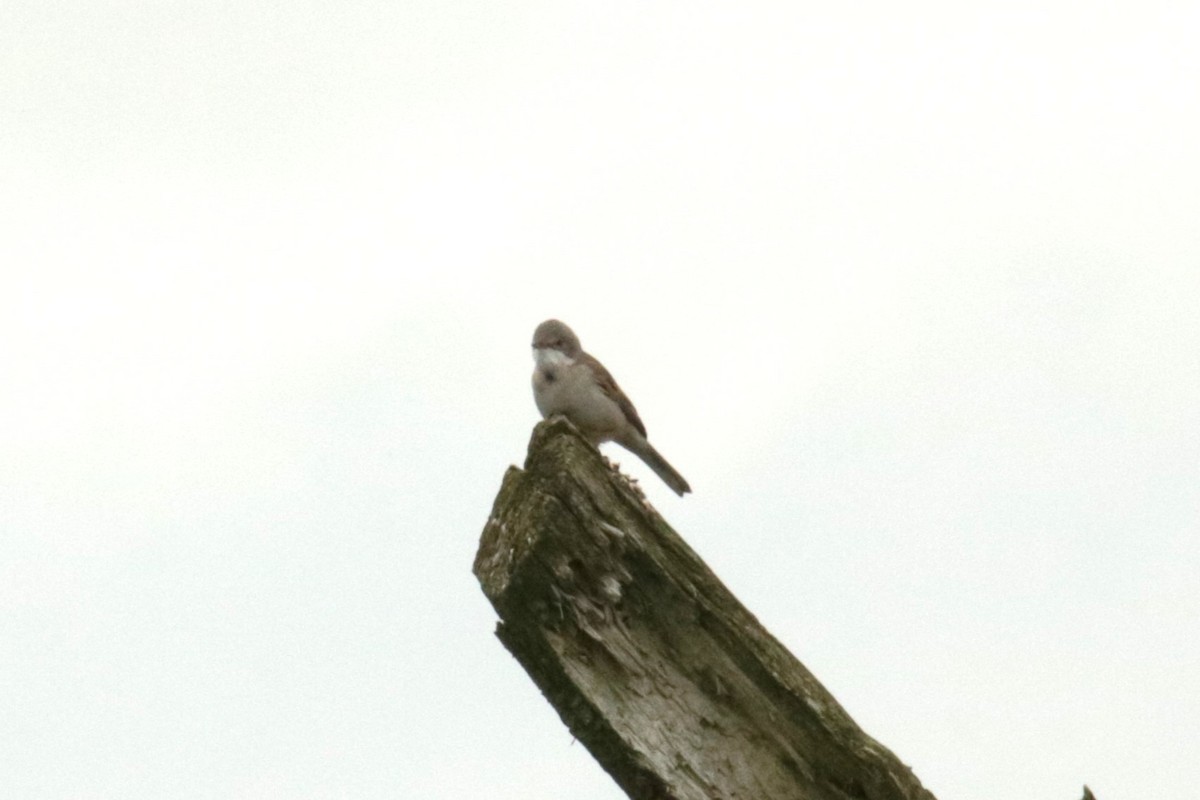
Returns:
(555,335)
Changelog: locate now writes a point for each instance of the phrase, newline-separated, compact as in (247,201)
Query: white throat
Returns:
(548,357)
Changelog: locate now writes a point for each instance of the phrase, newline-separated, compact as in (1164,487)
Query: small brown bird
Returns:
(568,381)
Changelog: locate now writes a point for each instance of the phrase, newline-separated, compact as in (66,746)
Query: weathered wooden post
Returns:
(671,684)
(653,665)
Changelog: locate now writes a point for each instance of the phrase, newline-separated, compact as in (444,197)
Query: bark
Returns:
(653,665)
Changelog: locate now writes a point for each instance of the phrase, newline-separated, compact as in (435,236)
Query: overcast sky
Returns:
(909,293)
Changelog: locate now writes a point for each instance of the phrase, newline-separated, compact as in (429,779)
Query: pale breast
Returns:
(562,386)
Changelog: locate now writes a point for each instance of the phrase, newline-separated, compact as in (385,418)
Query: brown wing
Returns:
(609,386)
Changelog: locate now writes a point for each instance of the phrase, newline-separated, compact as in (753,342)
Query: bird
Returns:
(570,382)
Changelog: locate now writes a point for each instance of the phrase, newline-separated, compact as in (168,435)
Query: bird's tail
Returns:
(645,451)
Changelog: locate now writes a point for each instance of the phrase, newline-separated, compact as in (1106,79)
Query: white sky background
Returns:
(911,295)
